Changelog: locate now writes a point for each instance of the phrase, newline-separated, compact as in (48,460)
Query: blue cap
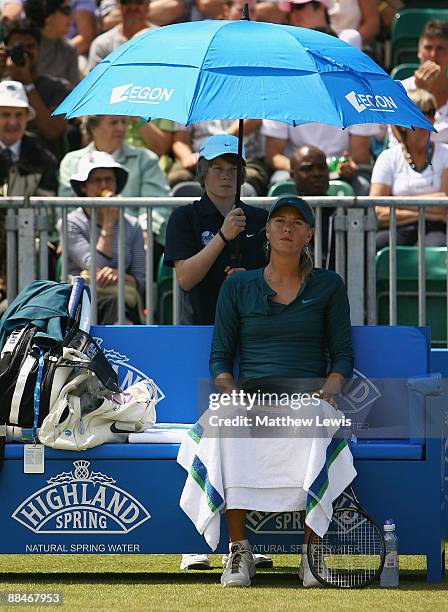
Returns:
(220,144)
(303,207)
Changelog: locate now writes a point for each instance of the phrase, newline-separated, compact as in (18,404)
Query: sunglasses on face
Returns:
(65,9)
(431,113)
(127,2)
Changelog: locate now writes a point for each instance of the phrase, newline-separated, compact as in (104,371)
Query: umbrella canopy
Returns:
(204,70)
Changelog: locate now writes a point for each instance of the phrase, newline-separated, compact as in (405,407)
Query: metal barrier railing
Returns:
(355,228)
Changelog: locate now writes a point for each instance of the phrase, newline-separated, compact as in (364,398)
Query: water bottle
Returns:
(390,574)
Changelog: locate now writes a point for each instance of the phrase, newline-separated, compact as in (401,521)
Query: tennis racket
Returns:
(75,295)
(351,554)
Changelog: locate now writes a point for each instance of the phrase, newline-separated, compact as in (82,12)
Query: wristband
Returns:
(105,234)
(223,237)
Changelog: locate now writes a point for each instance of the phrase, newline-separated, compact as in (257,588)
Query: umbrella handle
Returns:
(239,176)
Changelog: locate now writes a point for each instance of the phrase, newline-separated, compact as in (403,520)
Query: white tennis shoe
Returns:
(240,565)
(261,561)
(195,562)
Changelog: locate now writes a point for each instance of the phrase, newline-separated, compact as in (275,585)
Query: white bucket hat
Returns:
(93,160)
(12,93)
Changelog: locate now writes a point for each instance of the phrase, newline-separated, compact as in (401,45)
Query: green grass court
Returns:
(154,582)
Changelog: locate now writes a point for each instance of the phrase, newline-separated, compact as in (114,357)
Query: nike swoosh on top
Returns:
(310,300)
(249,235)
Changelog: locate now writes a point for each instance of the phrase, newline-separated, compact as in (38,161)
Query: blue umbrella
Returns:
(204,70)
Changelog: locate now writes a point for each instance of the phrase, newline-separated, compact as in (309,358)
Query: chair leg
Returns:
(435,564)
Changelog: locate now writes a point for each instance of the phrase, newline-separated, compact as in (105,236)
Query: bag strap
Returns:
(2,444)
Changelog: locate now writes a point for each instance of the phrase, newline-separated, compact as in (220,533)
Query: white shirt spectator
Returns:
(329,138)
(392,169)
(344,14)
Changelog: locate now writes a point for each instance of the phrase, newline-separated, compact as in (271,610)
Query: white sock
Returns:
(304,549)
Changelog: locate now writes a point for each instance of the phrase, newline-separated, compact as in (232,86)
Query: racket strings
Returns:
(350,553)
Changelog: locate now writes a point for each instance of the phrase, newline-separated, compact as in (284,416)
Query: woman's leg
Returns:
(307,534)
(236,524)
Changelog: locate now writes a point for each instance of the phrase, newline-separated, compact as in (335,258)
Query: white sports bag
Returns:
(69,427)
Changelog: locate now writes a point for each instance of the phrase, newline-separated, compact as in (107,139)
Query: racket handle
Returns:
(75,295)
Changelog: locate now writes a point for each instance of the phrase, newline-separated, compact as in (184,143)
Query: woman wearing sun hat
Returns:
(99,175)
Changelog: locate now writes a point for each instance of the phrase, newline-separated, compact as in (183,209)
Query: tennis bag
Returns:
(35,363)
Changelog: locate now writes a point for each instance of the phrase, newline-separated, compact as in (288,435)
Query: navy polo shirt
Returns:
(189,229)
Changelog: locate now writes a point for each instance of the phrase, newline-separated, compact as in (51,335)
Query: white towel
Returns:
(203,494)
(266,474)
(161,433)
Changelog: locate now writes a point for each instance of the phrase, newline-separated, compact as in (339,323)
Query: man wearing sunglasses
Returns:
(134,19)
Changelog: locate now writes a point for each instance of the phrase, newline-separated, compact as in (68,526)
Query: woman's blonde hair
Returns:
(422,98)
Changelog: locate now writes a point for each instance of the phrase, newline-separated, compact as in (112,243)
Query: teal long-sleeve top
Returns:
(308,338)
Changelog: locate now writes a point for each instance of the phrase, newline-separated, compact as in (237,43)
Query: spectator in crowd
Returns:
(107,133)
(187,142)
(45,92)
(313,14)
(83,27)
(310,174)
(209,240)
(387,10)
(353,143)
(409,169)
(202,241)
(432,74)
(145,179)
(360,15)
(134,19)
(99,175)
(57,57)
(26,166)
(160,12)
(156,135)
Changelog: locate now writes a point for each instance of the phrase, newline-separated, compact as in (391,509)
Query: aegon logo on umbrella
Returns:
(361,102)
(140,95)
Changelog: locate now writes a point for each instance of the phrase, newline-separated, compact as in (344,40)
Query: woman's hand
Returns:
(106,276)
(107,217)
(331,388)
(234,223)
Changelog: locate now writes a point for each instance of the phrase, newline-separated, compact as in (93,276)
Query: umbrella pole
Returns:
(239,178)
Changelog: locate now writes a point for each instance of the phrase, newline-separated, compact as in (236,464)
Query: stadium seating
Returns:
(282,188)
(340,188)
(403,71)
(407,289)
(406,29)
(186,189)
(336,188)
(124,498)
